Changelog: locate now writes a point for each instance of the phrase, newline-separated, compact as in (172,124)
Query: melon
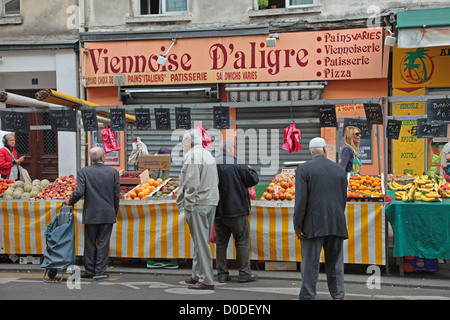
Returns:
(17,194)
(44,183)
(7,197)
(25,196)
(8,192)
(19,184)
(27,187)
(36,182)
(34,193)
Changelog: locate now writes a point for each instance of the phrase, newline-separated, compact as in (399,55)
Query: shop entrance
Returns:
(39,146)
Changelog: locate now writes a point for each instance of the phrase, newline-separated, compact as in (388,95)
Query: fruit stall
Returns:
(419,216)
(149,225)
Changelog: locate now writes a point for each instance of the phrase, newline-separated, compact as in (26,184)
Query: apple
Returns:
(284,184)
(275,196)
(282,196)
(268,196)
(289,196)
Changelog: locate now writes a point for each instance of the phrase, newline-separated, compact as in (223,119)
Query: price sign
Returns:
(393,129)
(89,120)
(327,116)
(374,114)
(183,118)
(117,119)
(162,119)
(221,117)
(15,121)
(438,110)
(63,120)
(429,130)
(142,119)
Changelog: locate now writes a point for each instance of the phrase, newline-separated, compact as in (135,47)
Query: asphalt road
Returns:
(25,285)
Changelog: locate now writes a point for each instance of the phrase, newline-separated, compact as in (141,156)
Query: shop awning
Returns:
(423,28)
(52,96)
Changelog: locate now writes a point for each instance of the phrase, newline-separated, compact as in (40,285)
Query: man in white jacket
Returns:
(198,195)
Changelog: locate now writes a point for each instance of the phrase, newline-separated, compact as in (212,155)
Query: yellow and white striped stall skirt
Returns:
(151,229)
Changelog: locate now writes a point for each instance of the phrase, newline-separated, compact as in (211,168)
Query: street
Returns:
(27,285)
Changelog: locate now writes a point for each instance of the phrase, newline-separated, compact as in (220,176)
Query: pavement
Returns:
(353,273)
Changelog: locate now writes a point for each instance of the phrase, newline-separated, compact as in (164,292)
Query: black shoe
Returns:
(86,275)
(251,277)
(101,276)
(224,278)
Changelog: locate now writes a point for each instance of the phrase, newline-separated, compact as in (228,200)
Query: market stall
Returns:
(155,229)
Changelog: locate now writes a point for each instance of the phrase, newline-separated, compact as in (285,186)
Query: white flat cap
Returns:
(317,143)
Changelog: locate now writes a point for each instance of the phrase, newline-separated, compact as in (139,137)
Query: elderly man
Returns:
(320,221)
(198,195)
(100,186)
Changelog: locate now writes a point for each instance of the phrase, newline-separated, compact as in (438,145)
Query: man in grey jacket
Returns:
(319,220)
(198,195)
(100,186)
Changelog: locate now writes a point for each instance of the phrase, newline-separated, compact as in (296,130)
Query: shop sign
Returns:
(421,67)
(305,56)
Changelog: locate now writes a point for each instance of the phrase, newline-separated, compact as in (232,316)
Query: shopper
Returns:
(100,187)
(319,220)
(8,158)
(444,157)
(350,160)
(232,213)
(198,195)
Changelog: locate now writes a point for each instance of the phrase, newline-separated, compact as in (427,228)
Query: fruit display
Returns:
(4,185)
(428,188)
(62,188)
(281,188)
(124,190)
(365,186)
(153,189)
(19,190)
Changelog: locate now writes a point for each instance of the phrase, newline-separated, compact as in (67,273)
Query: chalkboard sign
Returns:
(374,114)
(438,111)
(393,129)
(89,120)
(183,118)
(162,119)
(117,119)
(363,125)
(221,117)
(142,119)
(327,116)
(63,120)
(15,121)
(428,130)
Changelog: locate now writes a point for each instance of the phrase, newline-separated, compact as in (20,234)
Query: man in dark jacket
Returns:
(100,186)
(232,213)
(319,220)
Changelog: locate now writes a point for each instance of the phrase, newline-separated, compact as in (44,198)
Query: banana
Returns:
(433,195)
(424,189)
(428,199)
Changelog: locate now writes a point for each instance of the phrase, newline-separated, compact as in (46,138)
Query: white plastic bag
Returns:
(139,148)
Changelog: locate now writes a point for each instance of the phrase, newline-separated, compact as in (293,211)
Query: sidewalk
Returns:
(353,274)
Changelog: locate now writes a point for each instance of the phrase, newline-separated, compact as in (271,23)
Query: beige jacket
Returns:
(198,181)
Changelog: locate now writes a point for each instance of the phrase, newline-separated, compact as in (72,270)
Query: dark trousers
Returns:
(334,266)
(96,248)
(239,227)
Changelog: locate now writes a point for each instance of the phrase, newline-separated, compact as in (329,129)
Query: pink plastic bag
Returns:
(206,138)
(252,193)
(291,138)
(109,140)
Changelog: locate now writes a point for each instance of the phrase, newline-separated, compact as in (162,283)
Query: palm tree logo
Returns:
(417,66)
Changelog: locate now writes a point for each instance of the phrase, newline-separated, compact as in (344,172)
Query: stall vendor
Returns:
(8,158)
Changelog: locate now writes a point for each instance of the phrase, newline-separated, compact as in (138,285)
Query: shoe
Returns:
(190,281)
(85,275)
(224,278)
(201,286)
(101,277)
(251,277)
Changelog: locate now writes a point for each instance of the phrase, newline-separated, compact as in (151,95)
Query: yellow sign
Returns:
(421,67)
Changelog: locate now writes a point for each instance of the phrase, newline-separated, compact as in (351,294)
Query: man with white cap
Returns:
(319,220)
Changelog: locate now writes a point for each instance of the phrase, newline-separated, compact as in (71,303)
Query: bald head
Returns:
(96,154)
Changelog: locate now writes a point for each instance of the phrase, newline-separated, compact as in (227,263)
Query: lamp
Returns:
(390,40)
(271,41)
(162,58)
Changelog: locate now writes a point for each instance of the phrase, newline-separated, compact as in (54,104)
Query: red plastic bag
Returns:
(252,193)
(213,235)
(291,138)
(206,138)
(109,140)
